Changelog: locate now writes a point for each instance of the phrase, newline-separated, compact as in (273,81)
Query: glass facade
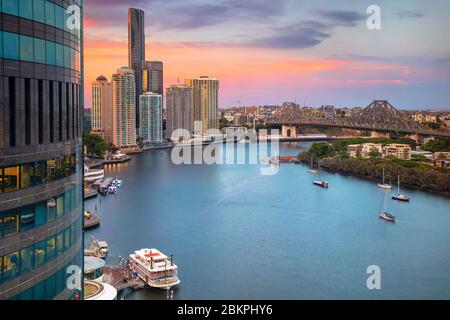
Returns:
(36,173)
(41,11)
(25,48)
(41,216)
(26,218)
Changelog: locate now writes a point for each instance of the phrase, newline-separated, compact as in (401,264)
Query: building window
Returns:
(50,50)
(59,206)
(11,266)
(9,222)
(26,259)
(39,253)
(41,213)
(60,243)
(39,50)
(26,175)
(59,17)
(26,9)
(11,178)
(26,48)
(51,248)
(40,172)
(49,13)
(27,218)
(59,55)
(10,7)
(10,45)
(39,10)
(51,209)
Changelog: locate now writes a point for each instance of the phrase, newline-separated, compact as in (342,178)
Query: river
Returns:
(237,234)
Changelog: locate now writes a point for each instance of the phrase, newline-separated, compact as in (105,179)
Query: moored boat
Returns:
(399,196)
(384,185)
(321,183)
(155,268)
(384,214)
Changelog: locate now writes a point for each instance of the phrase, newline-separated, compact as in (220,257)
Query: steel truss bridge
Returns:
(380,115)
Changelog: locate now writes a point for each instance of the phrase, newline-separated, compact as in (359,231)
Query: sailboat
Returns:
(384,185)
(311,167)
(320,182)
(400,197)
(383,214)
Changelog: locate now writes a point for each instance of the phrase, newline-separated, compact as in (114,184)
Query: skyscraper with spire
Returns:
(136,50)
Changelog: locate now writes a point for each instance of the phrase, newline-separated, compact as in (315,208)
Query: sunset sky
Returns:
(267,52)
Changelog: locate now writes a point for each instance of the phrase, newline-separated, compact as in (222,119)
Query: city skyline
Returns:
(323,54)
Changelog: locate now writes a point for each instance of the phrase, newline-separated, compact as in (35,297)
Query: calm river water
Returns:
(236,234)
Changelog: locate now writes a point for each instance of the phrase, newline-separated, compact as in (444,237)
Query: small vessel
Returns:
(155,268)
(384,185)
(311,167)
(97,249)
(320,182)
(399,196)
(384,214)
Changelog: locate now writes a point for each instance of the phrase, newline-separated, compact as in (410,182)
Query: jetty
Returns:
(91,220)
(121,278)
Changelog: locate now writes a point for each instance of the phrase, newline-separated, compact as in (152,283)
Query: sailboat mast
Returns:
(398,184)
(385,202)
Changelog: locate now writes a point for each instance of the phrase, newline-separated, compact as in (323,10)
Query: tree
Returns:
(374,154)
(437,145)
(95,145)
(321,150)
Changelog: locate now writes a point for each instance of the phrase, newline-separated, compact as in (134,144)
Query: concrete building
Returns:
(401,151)
(150,128)
(424,117)
(41,123)
(205,101)
(102,109)
(136,51)
(363,150)
(179,114)
(124,108)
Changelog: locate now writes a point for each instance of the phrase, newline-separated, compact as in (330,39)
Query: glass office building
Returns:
(41,214)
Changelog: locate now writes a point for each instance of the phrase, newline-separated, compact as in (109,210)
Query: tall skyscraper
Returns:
(102,115)
(124,108)
(150,128)
(136,50)
(178,109)
(205,101)
(153,77)
(41,122)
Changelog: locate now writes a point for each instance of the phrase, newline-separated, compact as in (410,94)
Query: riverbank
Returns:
(420,177)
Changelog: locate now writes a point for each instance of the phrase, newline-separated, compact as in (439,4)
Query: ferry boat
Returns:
(384,215)
(399,196)
(155,268)
(384,185)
